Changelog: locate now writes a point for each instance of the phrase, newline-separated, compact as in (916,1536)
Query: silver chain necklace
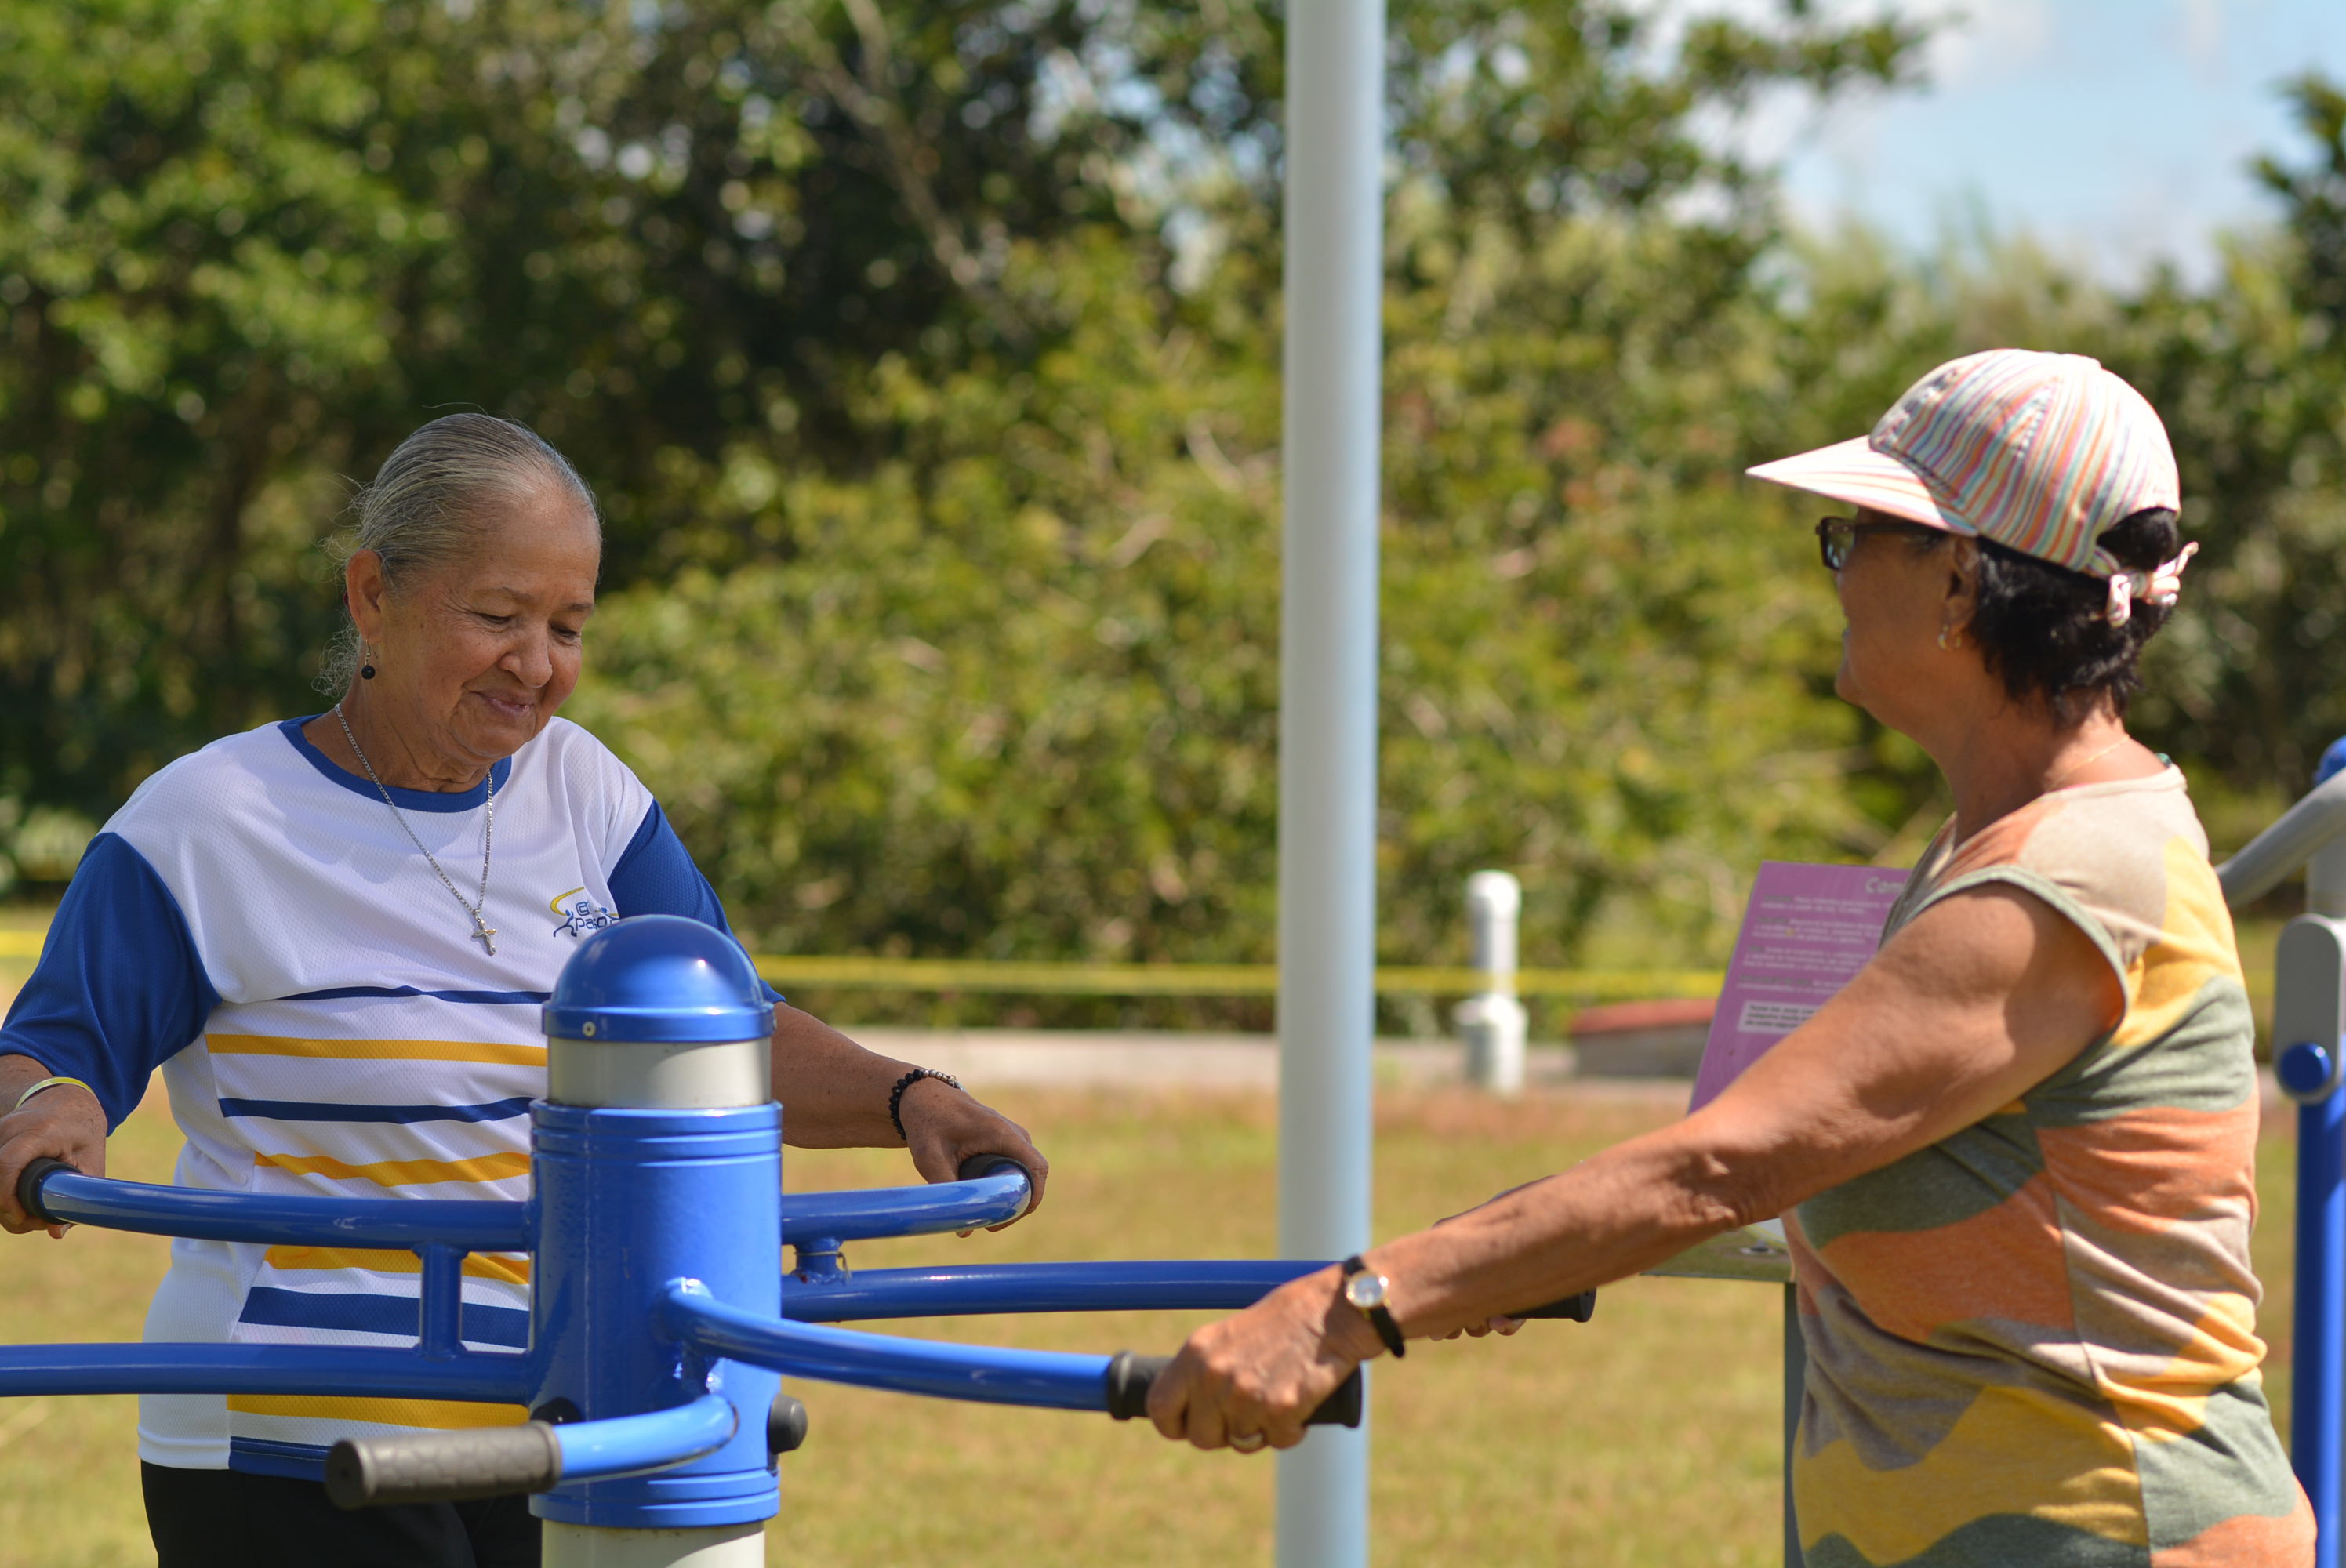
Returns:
(483,932)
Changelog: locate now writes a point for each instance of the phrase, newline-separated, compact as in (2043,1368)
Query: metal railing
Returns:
(2308,1050)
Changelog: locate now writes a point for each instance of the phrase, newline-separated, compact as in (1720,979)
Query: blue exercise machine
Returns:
(662,1317)
(658,1332)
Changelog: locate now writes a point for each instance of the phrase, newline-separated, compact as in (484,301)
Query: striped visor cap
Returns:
(2041,453)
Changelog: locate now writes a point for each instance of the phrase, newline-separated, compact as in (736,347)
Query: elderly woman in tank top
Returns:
(333,935)
(2014,1155)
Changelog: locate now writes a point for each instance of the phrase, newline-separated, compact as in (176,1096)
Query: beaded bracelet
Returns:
(896,1096)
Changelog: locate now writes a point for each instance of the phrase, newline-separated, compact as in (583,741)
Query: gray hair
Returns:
(432,501)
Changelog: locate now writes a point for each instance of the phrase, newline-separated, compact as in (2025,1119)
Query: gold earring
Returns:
(1950,646)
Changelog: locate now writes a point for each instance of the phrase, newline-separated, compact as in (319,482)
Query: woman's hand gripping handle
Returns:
(62,1122)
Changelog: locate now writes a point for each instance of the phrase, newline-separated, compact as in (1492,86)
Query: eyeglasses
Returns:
(1836,536)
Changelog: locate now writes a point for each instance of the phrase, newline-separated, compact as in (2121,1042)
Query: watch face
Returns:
(1365,1292)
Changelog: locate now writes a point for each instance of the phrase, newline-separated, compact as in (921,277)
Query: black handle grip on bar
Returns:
(1130,1376)
(978,1166)
(444,1466)
(29,1186)
(1578,1308)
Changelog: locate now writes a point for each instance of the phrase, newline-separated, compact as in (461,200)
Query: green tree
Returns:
(245,246)
(2249,374)
(942,521)
(1012,693)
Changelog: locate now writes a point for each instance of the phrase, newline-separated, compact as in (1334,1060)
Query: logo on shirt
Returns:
(581,916)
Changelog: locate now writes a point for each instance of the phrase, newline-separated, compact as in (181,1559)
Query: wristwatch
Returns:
(1367,1293)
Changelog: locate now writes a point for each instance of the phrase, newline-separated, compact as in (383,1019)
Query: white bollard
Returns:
(1493,1022)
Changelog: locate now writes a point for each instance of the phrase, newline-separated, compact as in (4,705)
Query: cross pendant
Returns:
(482,932)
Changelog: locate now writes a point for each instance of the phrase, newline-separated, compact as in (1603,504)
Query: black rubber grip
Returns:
(1580,1309)
(444,1466)
(29,1186)
(1130,1376)
(785,1425)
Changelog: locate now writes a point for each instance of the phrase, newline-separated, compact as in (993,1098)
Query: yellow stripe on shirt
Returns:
(504,1055)
(442,1413)
(400,1173)
(477,1265)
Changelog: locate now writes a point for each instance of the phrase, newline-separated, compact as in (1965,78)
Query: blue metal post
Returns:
(657,1160)
(1796,1384)
(2318,1376)
(631,1200)
(440,1294)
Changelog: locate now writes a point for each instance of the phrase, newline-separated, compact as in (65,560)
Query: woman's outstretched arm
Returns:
(1973,1002)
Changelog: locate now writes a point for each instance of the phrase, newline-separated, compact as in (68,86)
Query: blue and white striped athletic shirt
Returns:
(255,922)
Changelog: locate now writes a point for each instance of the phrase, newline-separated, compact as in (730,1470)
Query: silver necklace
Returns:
(483,932)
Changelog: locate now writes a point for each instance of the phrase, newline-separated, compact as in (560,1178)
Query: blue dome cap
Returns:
(2333,761)
(659,978)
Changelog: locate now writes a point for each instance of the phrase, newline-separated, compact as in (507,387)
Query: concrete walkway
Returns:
(1158,1060)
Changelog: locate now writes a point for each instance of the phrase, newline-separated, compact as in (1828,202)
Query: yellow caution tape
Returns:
(1041,979)
(1047,979)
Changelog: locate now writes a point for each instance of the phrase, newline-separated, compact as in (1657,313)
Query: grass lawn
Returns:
(1647,1436)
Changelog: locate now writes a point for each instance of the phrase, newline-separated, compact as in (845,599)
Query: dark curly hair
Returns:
(2041,628)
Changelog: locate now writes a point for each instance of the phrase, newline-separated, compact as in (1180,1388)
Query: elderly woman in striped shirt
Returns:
(333,936)
(2015,1156)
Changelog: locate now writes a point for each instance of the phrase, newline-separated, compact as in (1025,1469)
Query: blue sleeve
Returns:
(656,875)
(119,989)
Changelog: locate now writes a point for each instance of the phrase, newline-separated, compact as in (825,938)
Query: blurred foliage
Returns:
(925,356)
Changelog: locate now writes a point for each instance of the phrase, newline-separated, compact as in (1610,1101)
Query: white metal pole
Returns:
(1328,701)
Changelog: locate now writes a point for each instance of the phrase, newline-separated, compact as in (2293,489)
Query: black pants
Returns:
(225,1519)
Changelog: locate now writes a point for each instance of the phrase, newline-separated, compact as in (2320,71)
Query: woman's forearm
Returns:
(834,1093)
(17,1073)
(835,1096)
(1615,1215)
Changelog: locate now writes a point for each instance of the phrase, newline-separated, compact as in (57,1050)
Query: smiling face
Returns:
(472,657)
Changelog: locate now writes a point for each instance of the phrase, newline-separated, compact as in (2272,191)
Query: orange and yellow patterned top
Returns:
(2035,1342)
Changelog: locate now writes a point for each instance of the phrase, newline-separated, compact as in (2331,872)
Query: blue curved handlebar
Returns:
(1216,1284)
(1050,1378)
(943,1206)
(488,1225)
(352,1371)
(629,1445)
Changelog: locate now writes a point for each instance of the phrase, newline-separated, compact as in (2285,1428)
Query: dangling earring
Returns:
(366,671)
(1945,644)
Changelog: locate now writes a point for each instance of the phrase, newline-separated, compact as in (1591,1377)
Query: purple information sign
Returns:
(1806,932)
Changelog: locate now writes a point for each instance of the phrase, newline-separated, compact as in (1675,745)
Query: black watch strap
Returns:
(1379,1316)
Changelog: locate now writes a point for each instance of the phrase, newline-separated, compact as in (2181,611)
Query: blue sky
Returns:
(2116,131)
